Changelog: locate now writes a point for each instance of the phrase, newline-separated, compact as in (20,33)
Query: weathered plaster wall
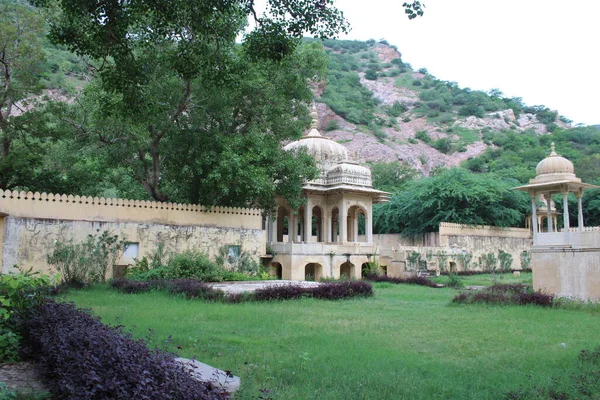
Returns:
(34,222)
(452,239)
(567,272)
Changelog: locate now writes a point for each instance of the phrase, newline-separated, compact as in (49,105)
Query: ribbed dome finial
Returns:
(553,150)
(315,117)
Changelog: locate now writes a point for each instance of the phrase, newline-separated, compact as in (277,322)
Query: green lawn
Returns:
(407,342)
(489,279)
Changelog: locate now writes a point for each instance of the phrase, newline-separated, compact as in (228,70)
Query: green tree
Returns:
(219,144)
(392,176)
(176,102)
(455,195)
(21,61)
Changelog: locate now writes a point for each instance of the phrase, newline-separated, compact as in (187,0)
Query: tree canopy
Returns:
(454,195)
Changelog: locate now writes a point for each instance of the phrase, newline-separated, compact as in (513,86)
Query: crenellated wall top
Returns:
(116,202)
(453,229)
(62,206)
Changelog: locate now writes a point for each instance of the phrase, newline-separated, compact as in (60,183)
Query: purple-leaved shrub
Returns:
(342,290)
(84,359)
(411,280)
(508,294)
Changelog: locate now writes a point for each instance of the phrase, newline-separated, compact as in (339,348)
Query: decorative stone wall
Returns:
(30,223)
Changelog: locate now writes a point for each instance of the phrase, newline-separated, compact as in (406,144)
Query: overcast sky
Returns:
(545,51)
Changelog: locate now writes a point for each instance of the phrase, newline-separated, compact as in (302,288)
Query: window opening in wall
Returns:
(233,254)
(130,252)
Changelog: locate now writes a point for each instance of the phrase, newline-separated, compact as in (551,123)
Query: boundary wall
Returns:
(30,223)
(454,239)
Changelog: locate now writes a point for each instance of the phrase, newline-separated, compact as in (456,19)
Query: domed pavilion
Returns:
(555,175)
(331,235)
(567,262)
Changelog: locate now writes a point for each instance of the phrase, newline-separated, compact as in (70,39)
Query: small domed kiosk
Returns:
(332,233)
(567,262)
(555,175)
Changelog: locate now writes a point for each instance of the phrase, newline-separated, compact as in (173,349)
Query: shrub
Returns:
(332,125)
(150,275)
(87,261)
(412,280)
(506,294)
(85,359)
(19,294)
(443,145)
(342,290)
(131,286)
(281,292)
(193,264)
(192,288)
(525,260)
(423,136)
(505,260)
(396,109)
(454,281)
(371,74)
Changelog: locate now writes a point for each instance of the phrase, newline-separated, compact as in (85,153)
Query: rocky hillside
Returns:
(383,110)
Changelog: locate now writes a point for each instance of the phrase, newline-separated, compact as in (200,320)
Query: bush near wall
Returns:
(85,359)
(19,294)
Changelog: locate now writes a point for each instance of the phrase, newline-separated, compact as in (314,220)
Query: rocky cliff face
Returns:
(400,138)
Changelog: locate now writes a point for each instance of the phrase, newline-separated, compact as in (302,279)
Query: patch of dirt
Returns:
(23,375)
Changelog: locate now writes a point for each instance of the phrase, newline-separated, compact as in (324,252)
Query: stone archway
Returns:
(347,270)
(356,213)
(334,226)
(313,272)
(283,223)
(317,223)
(276,270)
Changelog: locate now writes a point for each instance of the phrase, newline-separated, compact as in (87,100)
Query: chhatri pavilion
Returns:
(567,262)
(331,235)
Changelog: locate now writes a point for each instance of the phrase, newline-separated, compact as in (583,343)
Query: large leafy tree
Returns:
(191,114)
(456,195)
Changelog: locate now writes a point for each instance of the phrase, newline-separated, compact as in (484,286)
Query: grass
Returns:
(489,279)
(406,342)
(466,136)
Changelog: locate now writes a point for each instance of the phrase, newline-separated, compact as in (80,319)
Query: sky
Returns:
(544,51)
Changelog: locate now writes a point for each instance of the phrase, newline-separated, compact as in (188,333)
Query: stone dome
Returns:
(322,149)
(554,168)
(554,164)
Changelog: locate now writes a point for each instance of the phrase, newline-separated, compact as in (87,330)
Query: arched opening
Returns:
(300,225)
(313,272)
(335,221)
(453,266)
(283,223)
(276,270)
(347,270)
(317,223)
(383,270)
(356,214)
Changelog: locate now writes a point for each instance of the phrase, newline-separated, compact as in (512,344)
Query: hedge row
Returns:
(84,359)
(507,294)
(192,288)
